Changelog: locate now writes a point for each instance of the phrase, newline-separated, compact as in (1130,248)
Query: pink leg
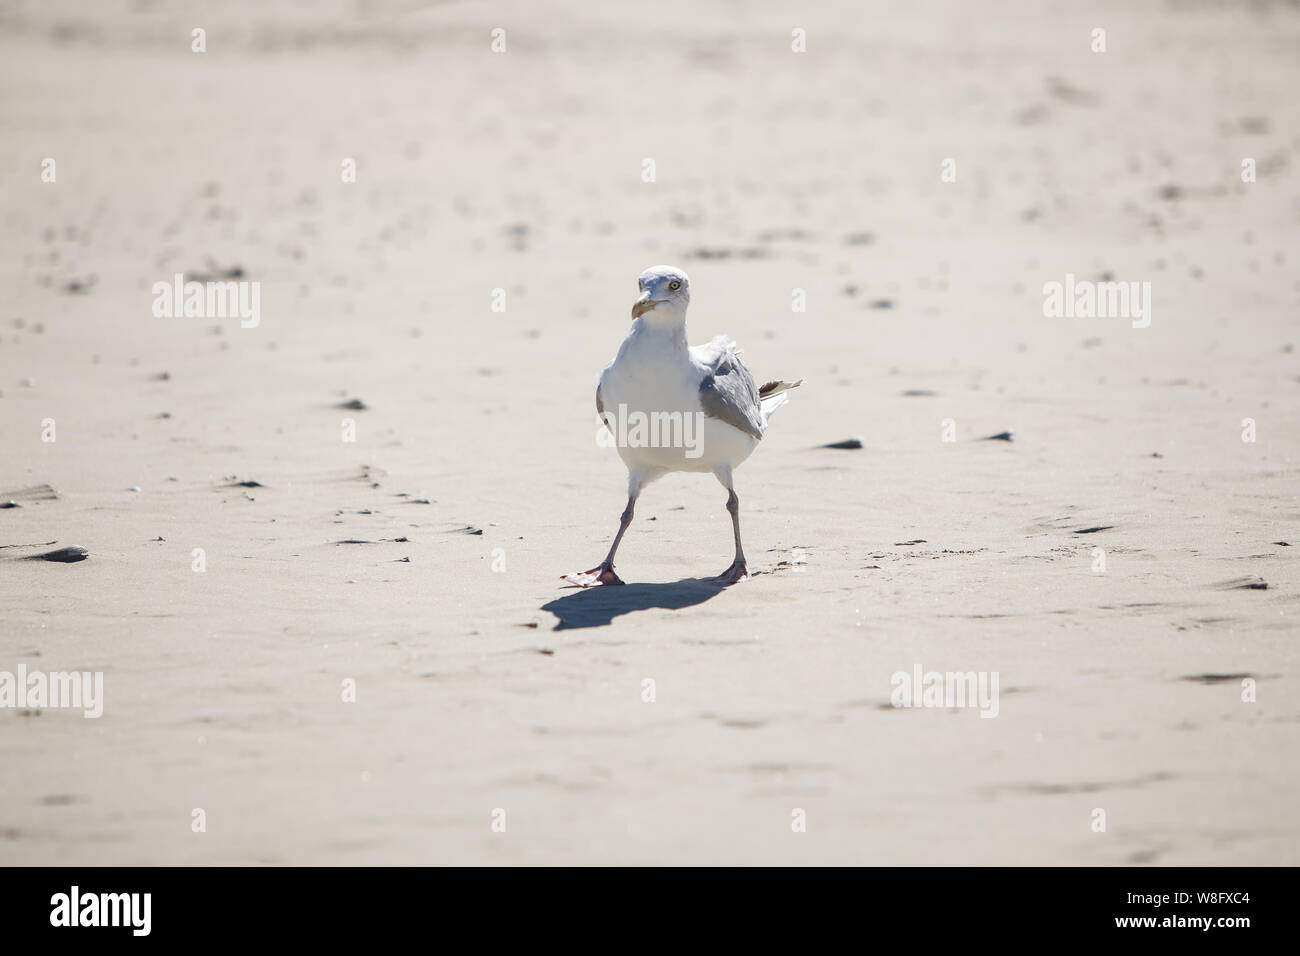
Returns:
(738,571)
(603,573)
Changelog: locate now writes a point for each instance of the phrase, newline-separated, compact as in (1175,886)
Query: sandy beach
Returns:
(367,656)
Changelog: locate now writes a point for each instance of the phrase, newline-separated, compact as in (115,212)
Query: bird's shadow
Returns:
(597,607)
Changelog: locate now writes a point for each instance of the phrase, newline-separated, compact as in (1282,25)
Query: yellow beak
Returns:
(643,305)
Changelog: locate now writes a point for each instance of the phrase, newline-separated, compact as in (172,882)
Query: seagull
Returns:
(704,396)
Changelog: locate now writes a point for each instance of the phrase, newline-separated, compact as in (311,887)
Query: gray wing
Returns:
(728,393)
(600,403)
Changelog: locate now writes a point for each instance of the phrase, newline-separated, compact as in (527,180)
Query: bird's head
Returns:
(665,289)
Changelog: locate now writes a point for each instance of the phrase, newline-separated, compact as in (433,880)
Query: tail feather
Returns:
(772,396)
(772,389)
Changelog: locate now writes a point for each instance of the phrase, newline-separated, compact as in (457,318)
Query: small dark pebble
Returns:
(1251,582)
(1246,584)
(903,544)
(356,405)
(1284,544)
(917,393)
(62,555)
(848,443)
(1100,527)
(10,504)
(1000,436)
(234,272)
(882,304)
(246,484)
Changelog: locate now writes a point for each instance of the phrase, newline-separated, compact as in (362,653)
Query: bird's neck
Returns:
(665,328)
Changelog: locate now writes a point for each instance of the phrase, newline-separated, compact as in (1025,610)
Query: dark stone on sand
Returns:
(1100,527)
(10,504)
(847,444)
(1251,583)
(1171,192)
(917,393)
(882,304)
(1285,544)
(1000,436)
(1215,678)
(904,544)
(62,555)
(216,275)
(355,405)
(246,484)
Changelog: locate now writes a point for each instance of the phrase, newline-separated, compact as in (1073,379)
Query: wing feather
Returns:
(727,391)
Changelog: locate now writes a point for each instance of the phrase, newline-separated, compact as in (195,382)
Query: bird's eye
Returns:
(674,285)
